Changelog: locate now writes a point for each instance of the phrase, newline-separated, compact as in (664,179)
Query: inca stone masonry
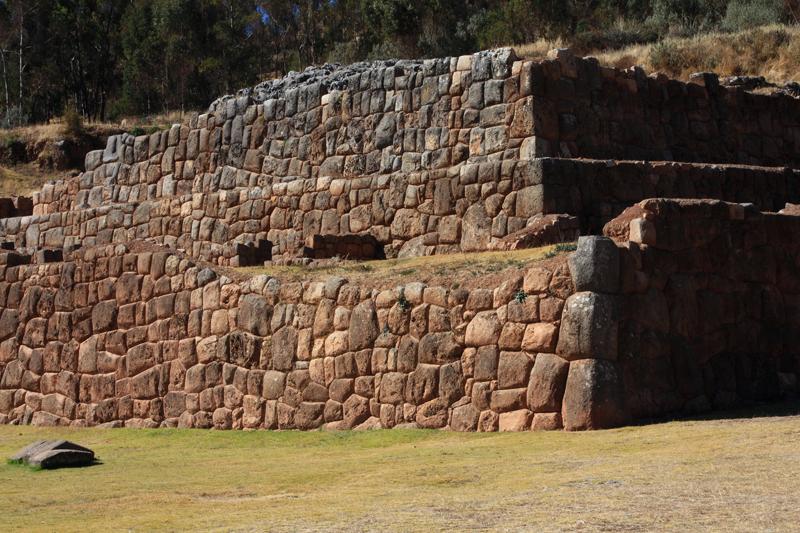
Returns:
(121,303)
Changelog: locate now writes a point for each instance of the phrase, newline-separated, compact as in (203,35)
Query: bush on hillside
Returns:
(744,14)
(73,123)
(666,56)
(687,17)
(612,39)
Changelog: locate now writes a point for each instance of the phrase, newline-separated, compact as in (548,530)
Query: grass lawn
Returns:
(727,474)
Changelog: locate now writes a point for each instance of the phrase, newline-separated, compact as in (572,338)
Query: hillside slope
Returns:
(769,51)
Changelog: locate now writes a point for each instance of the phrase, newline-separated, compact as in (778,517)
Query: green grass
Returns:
(732,475)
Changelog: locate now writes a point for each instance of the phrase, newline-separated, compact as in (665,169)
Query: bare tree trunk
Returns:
(5,81)
(21,34)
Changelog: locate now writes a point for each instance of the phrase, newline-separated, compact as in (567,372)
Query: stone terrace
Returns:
(117,305)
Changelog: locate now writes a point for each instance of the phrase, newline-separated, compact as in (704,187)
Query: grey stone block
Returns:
(595,265)
(54,454)
(593,398)
(589,327)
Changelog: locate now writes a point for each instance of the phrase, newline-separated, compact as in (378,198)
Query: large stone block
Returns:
(589,327)
(593,398)
(284,348)
(363,326)
(513,370)
(484,329)
(255,314)
(595,265)
(547,383)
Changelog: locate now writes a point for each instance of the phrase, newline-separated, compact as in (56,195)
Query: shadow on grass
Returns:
(37,468)
(787,407)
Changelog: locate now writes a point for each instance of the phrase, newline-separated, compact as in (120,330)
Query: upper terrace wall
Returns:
(393,116)
(427,156)
(598,191)
(413,116)
(467,208)
(582,109)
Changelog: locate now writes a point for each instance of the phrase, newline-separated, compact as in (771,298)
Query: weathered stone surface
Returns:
(589,327)
(547,383)
(255,314)
(513,370)
(593,396)
(54,454)
(484,329)
(464,418)
(355,411)
(438,348)
(595,265)
(104,314)
(515,420)
(284,348)
(363,326)
(432,414)
(546,422)
(451,383)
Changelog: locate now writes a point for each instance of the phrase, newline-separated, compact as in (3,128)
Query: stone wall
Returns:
(471,207)
(597,191)
(582,109)
(421,213)
(147,338)
(694,309)
(705,305)
(428,157)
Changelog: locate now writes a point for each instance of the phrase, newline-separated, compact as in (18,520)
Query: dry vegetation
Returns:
(714,475)
(24,180)
(770,51)
(454,271)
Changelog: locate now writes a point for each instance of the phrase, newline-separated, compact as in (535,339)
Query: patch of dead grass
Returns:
(455,270)
(24,180)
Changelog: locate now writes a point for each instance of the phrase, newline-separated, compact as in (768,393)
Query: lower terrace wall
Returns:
(149,339)
(462,209)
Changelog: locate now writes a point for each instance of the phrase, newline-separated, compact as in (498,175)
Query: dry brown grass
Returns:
(734,475)
(24,180)
(770,51)
(456,270)
(155,121)
(55,131)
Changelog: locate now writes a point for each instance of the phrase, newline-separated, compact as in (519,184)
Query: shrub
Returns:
(667,57)
(744,14)
(561,248)
(73,123)
(612,39)
(686,17)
